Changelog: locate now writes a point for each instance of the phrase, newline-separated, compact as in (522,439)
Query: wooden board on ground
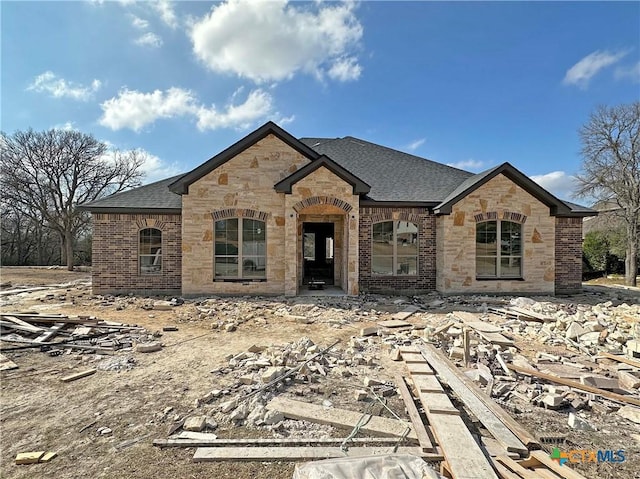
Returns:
(287,441)
(210,454)
(50,333)
(496,338)
(420,368)
(448,372)
(24,324)
(474,322)
(73,377)
(394,323)
(621,359)
(414,415)
(576,385)
(340,417)
(6,363)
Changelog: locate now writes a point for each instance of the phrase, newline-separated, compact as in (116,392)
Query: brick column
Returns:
(568,264)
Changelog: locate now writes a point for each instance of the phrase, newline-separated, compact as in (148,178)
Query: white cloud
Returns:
(414,145)
(345,69)
(135,110)
(149,39)
(155,169)
(139,23)
(165,9)
(558,183)
(468,165)
(272,40)
(57,87)
(631,72)
(581,73)
(68,126)
(257,105)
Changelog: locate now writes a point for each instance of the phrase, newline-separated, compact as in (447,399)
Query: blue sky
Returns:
(467,84)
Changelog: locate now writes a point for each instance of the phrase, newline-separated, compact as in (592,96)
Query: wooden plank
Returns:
(621,359)
(50,333)
(427,384)
(29,457)
(211,454)
(339,417)
(563,471)
(73,377)
(495,449)
(446,370)
(438,403)
(288,441)
(503,472)
(24,324)
(516,467)
(496,338)
(414,415)
(543,473)
(19,327)
(408,357)
(472,320)
(576,385)
(419,368)
(463,455)
(6,364)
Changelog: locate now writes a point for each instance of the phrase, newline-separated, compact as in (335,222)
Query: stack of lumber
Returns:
(49,331)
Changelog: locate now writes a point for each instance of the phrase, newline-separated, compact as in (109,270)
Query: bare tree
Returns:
(611,170)
(53,171)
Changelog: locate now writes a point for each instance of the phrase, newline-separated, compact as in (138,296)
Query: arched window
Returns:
(240,249)
(150,251)
(498,249)
(394,248)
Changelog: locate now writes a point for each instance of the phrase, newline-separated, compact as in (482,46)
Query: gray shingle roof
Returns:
(154,196)
(393,175)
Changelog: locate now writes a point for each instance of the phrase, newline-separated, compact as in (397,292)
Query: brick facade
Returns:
(425,280)
(568,244)
(115,248)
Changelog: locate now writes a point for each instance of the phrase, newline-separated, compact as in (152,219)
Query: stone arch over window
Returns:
(512,216)
(150,250)
(322,200)
(398,215)
(240,213)
(151,223)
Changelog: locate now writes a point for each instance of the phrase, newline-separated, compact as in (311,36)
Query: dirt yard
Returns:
(141,402)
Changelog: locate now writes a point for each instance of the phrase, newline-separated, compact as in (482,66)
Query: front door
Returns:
(318,252)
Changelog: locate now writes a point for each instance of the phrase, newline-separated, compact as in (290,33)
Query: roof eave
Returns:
(130,210)
(556,206)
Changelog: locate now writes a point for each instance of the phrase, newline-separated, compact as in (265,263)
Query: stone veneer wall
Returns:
(456,233)
(244,183)
(426,278)
(115,254)
(568,255)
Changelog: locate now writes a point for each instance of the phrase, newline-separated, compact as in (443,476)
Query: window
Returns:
(498,249)
(240,249)
(394,250)
(150,251)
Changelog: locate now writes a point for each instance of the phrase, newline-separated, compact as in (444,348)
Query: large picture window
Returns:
(498,249)
(394,249)
(150,251)
(240,249)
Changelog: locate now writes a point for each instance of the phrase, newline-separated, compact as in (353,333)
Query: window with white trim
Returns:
(150,251)
(240,249)
(498,249)
(394,248)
